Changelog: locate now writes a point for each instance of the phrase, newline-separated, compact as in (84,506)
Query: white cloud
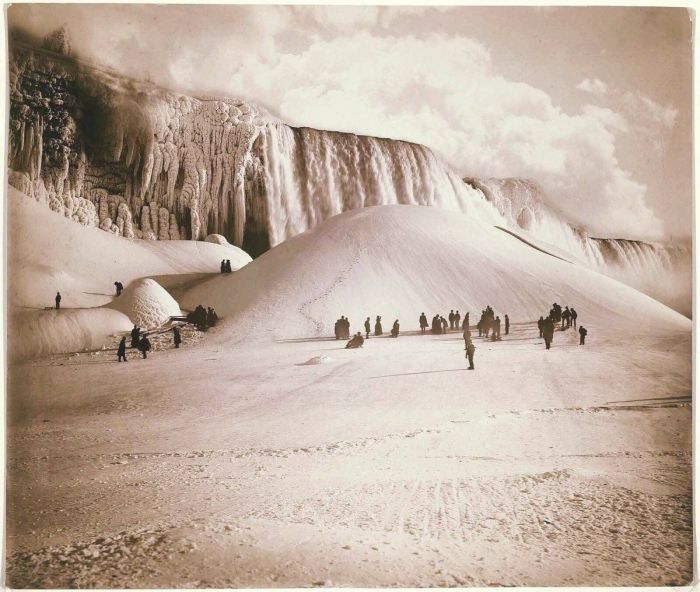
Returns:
(594,86)
(443,92)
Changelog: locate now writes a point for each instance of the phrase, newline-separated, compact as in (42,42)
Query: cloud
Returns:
(593,86)
(443,92)
(439,90)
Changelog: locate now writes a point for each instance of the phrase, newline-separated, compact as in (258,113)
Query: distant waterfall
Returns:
(662,271)
(311,175)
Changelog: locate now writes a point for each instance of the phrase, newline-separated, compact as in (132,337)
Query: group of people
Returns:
(202,317)
(342,328)
(438,325)
(226,266)
(138,341)
(567,317)
(491,323)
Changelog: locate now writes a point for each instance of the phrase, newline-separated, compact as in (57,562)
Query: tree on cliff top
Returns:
(58,41)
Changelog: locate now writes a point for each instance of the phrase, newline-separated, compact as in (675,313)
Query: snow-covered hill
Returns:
(399,261)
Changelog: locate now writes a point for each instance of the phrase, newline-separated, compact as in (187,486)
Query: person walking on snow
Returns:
(121,350)
(58,300)
(507,320)
(574,315)
(582,332)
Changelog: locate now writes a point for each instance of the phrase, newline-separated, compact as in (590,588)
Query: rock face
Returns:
(128,157)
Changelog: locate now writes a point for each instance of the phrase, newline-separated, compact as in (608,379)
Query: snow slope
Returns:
(49,253)
(399,261)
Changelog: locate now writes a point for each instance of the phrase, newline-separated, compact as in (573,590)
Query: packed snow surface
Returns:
(230,463)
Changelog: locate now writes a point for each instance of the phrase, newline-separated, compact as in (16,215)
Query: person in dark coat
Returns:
(121,350)
(177,340)
(507,321)
(548,332)
(451,318)
(470,354)
(135,336)
(346,327)
(222,267)
(443,320)
(228,266)
(212,317)
(118,286)
(368,328)
(144,346)
(336,329)
(356,341)
(582,332)
(58,300)
(574,316)
(378,326)
(565,322)
(457,319)
(436,327)
(423,321)
(465,322)
(540,325)
(395,329)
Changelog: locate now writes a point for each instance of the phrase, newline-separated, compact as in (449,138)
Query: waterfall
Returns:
(662,271)
(311,175)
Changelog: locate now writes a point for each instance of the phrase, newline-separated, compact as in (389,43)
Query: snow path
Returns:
(392,465)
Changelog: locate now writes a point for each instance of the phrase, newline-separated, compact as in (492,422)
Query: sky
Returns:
(595,104)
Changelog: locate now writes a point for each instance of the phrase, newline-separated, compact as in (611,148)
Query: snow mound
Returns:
(41,333)
(47,252)
(146,303)
(218,239)
(316,360)
(399,261)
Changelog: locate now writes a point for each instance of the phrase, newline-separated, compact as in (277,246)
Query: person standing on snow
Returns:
(451,318)
(58,300)
(470,354)
(574,316)
(378,326)
(540,325)
(121,350)
(457,318)
(144,346)
(507,320)
(548,332)
(395,329)
(118,286)
(423,321)
(177,340)
(443,320)
(582,332)
(368,328)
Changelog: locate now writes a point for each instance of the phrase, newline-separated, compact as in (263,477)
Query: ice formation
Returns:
(144,162)
(662,271)
(146,303)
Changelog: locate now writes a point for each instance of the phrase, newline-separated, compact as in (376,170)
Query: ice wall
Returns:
(144,162)
(661,270)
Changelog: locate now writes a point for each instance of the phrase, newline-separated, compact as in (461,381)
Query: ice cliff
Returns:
(144,162)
